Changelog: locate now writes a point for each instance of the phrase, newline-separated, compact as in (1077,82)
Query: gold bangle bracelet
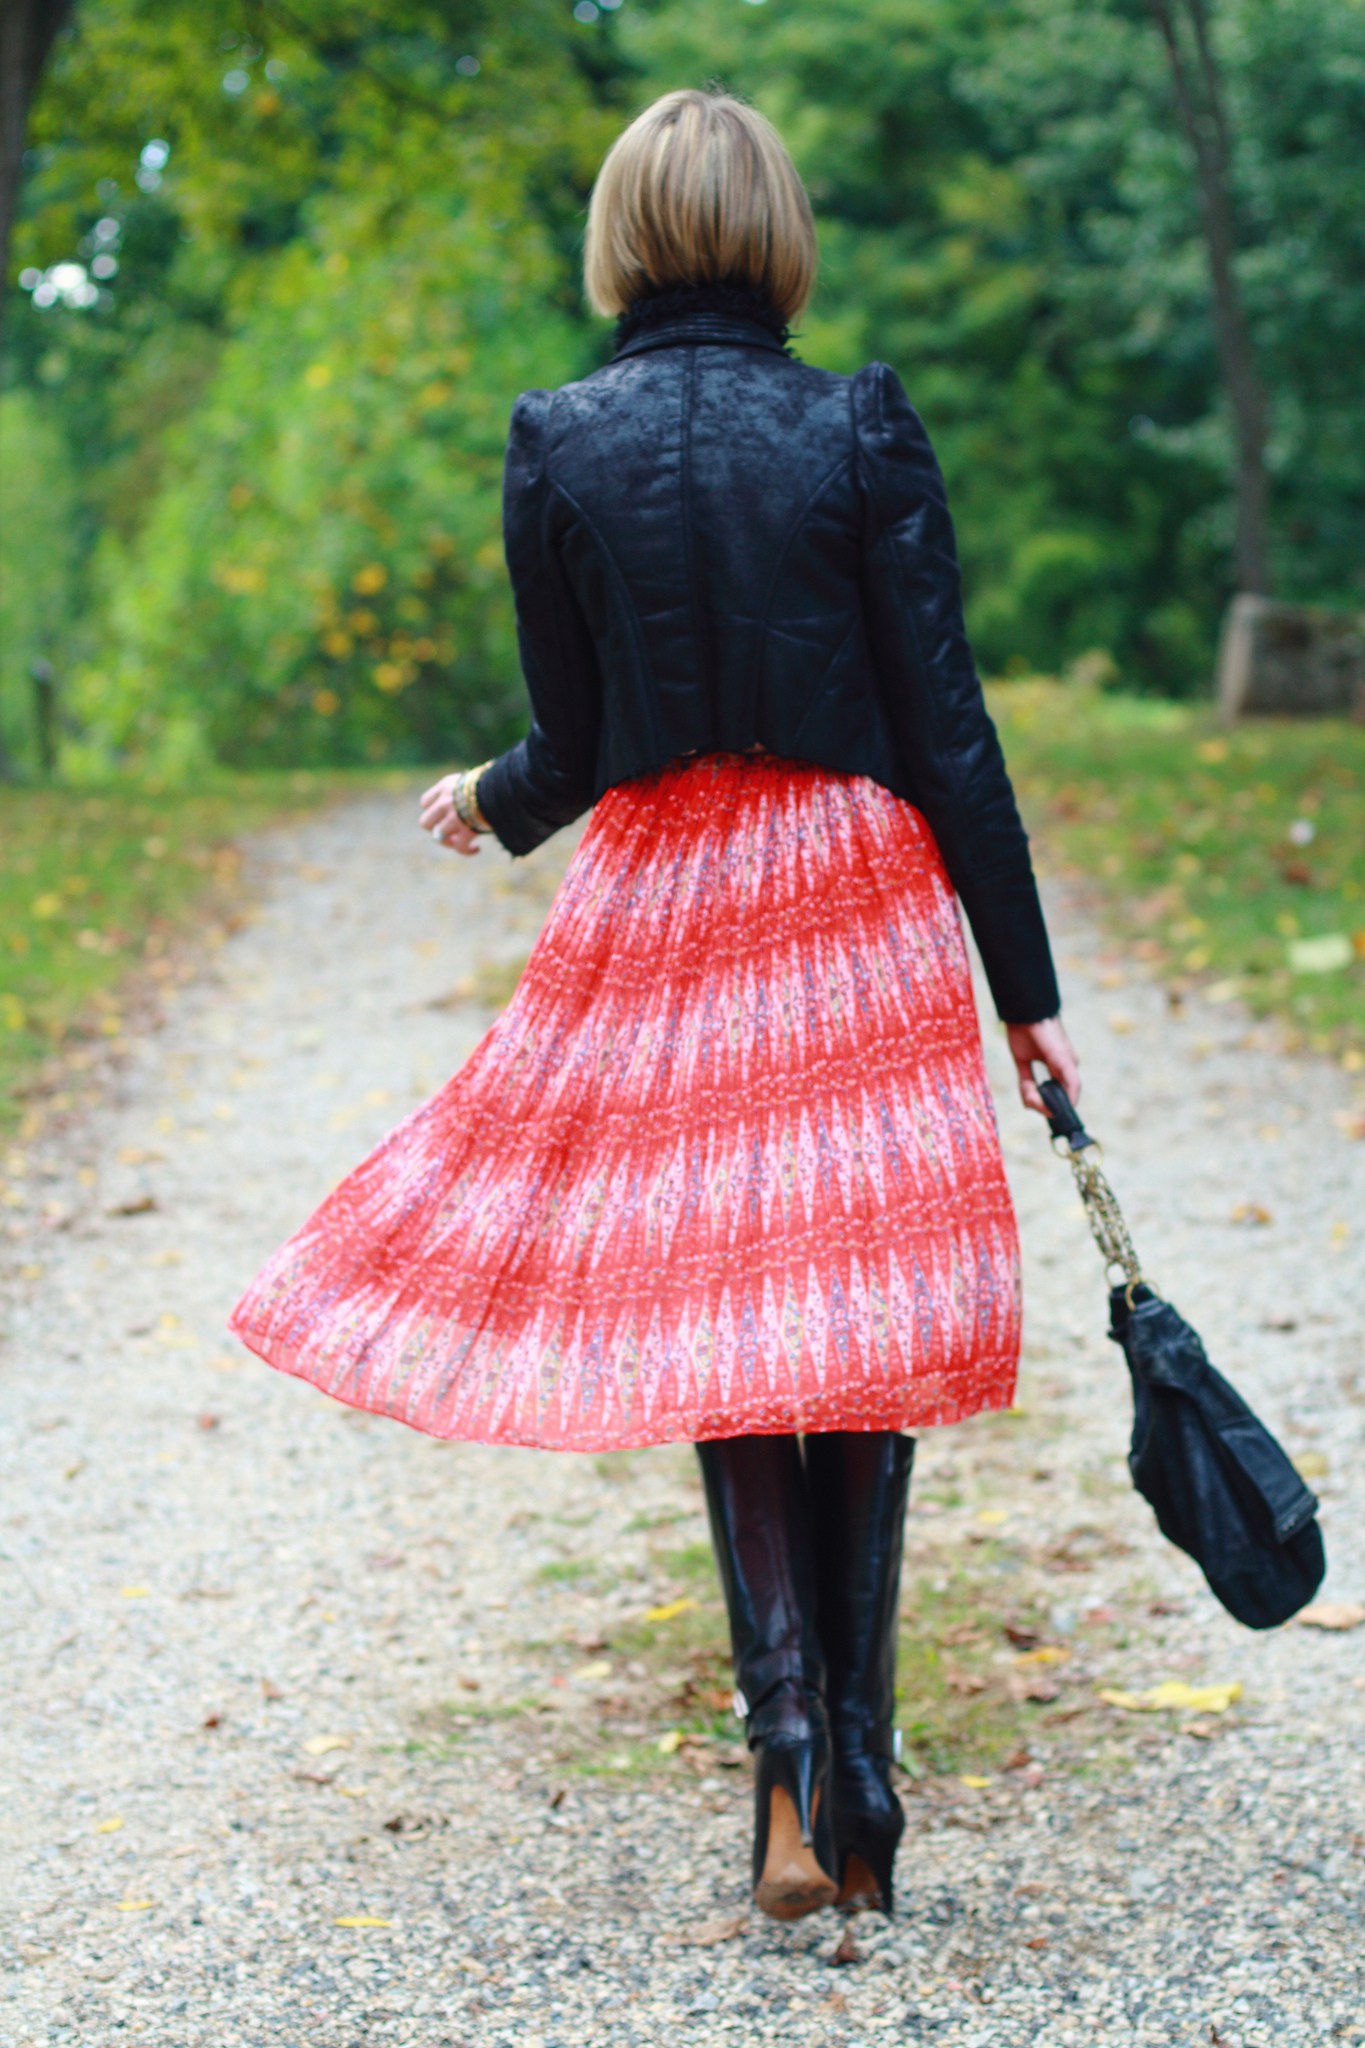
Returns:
(465,798)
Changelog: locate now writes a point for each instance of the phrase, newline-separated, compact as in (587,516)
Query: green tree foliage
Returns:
(37,559)
(349,242)
(284,410)
(327,543)
(1009,216)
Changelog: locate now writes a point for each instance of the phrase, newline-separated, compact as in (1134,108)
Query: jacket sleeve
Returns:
(546,780)
(913,606)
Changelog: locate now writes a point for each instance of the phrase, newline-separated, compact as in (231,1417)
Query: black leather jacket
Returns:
(715,547)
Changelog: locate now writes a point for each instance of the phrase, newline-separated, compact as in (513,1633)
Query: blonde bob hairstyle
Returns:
(699,190)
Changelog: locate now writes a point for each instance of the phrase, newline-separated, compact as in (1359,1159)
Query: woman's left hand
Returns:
(438,817)
(1049,1043)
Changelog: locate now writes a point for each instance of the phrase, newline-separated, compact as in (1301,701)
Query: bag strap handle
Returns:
(1102,1211)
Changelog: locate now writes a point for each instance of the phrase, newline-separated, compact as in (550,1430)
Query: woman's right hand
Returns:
(439,818)
(1049,1043)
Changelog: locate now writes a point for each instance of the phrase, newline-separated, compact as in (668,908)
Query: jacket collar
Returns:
(705,328)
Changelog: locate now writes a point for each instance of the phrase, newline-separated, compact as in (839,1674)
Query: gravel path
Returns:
(296,1703)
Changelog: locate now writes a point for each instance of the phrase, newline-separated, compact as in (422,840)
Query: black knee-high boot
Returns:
(858,1485)
(756,1496)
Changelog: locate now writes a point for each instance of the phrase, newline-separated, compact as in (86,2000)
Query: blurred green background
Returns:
(280,270)
(287,267)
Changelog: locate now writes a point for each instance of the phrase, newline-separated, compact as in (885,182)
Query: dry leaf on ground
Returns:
(1022,1638)
(710,1933)
(1334,1614)
(318,1745)
(1032,1685)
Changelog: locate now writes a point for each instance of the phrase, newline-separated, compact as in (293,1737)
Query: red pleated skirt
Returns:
(727,1164)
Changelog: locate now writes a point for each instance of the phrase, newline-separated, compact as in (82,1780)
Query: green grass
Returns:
(567,1572)
(1186,829)
(98,885)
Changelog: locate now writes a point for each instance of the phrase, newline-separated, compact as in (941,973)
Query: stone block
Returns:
(1290,661)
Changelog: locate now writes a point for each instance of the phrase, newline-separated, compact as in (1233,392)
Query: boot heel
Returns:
(790,1827)
(867,1859)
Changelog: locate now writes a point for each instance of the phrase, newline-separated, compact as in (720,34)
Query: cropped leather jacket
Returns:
(714,547)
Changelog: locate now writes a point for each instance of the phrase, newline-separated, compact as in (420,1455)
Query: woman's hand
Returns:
(438,817)
(1049,1043)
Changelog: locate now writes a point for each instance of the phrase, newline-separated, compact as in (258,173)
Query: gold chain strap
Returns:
(1102,1212)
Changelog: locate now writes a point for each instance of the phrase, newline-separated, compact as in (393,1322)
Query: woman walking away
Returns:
(726,1170)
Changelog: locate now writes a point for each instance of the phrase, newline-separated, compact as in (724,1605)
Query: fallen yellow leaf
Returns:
(1173,1692)
(134,1592)
(1312,1465)
(1336,1614)
(136,1905)
(110,1826)
(351,1791)
(671,1742)
(992,1515)
(588,1674)
(977,1784)
(671,1609)
(1048,1653)
(318,1745)
(1195,1699)
(361,1920)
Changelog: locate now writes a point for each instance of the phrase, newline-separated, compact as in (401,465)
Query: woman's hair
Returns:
(699,190)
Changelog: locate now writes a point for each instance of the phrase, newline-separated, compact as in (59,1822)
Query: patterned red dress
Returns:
(727,1164)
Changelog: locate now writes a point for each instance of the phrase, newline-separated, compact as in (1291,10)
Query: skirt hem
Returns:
(903,1408)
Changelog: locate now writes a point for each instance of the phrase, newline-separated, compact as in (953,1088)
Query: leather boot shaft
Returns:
(760,1527)
(858,1486)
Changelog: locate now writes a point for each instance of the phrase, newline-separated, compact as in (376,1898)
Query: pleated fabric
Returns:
(727,1164)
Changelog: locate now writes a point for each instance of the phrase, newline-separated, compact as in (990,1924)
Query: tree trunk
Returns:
(1205,123)
(27,30)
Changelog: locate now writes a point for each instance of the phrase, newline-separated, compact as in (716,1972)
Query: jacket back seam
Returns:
(628,603)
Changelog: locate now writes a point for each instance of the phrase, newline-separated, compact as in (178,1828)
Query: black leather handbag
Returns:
(1221,1486)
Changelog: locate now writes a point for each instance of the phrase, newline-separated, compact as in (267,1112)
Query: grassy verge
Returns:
(95,884)
(986,1686)
(1231,861)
